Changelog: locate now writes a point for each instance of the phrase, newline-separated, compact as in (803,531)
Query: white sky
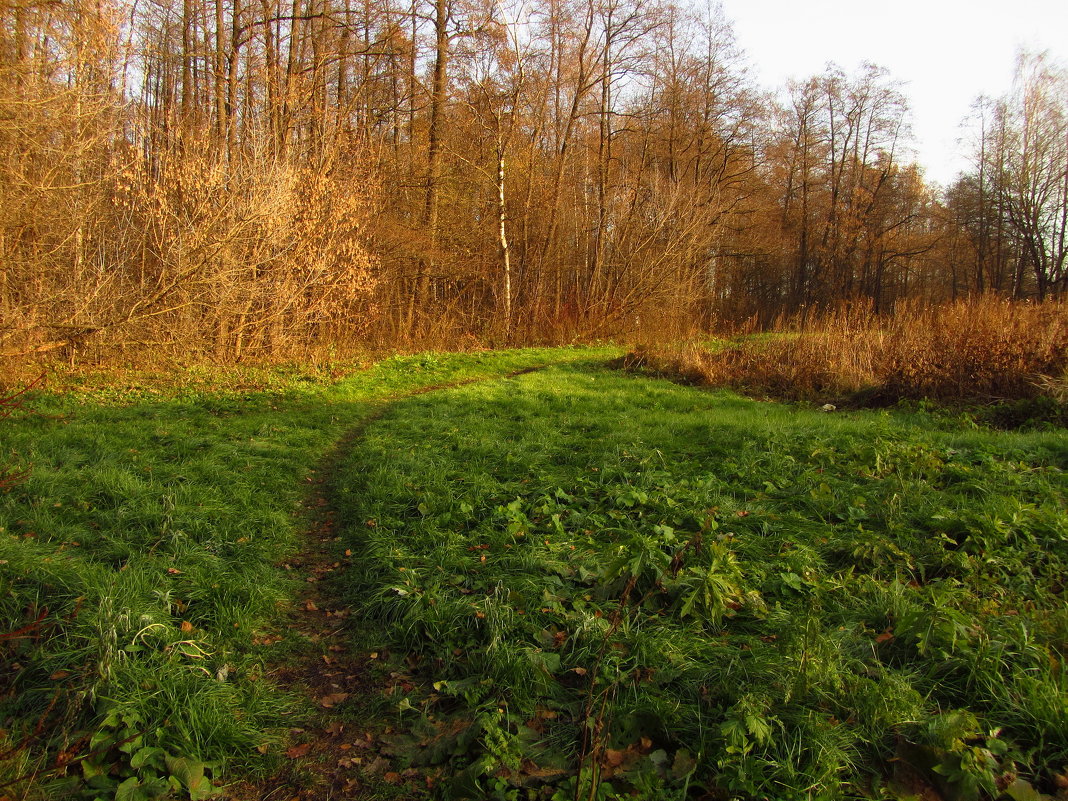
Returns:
(945,52)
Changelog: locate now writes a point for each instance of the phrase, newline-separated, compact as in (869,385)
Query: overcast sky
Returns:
(945,52)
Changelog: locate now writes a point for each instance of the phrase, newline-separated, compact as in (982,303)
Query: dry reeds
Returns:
(980,349)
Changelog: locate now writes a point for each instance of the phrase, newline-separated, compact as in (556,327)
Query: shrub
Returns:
(985,348)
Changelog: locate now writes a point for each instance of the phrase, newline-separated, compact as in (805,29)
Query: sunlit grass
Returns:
(662,589)
(140,557)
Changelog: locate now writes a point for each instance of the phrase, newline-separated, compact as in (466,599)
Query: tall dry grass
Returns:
(980,349)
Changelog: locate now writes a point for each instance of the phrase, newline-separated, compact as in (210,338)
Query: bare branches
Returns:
(247,178)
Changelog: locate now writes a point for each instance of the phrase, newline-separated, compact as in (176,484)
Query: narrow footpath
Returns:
(332,753)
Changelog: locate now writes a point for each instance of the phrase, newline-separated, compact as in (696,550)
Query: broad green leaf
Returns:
(191,775)
(150,755)
(130,790)
(1021,790)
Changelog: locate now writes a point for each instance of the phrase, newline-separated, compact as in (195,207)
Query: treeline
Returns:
(256,178)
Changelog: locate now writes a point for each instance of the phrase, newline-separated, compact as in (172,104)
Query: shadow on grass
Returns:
(142,578)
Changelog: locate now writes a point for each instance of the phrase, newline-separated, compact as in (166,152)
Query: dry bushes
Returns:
(981,349)
(986,349)
(255,258)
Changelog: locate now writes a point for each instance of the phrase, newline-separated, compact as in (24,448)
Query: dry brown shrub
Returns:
(255,259)
(987,348)
(980,349)
(686,362)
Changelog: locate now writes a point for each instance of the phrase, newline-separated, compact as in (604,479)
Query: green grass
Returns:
(140,564)
(593,585)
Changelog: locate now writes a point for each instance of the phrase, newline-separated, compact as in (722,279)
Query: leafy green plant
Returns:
(965,762)
(122,767)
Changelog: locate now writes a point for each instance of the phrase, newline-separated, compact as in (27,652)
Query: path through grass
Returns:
(587,585)
(142,584)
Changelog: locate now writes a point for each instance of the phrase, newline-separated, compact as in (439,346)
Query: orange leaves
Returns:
(298,751)
(332,700)
(614,760)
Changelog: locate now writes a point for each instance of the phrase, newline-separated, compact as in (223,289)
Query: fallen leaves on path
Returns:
(297,751)
(328,701)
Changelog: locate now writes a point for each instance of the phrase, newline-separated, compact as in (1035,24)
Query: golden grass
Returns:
(982,349)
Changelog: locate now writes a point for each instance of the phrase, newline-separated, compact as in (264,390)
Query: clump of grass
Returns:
(11,402)
(978,350)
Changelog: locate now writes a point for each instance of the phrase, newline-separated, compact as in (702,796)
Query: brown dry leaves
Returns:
(332,700)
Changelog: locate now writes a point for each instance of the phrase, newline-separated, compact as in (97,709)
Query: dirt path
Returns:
(331,752)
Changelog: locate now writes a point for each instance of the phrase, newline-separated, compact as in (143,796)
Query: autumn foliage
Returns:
(250,182)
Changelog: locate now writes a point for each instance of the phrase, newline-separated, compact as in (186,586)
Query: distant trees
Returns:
(256,178)
(1014,204)
(853,216)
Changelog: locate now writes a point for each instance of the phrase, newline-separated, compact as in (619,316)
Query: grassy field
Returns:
(141,577)
(573,584)
(588,585)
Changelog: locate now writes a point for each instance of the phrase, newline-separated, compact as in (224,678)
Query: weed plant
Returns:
(141,577)
(592,585)
(978,350)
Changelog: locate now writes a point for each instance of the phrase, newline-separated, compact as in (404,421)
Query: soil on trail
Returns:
(331,753)
(327,755)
